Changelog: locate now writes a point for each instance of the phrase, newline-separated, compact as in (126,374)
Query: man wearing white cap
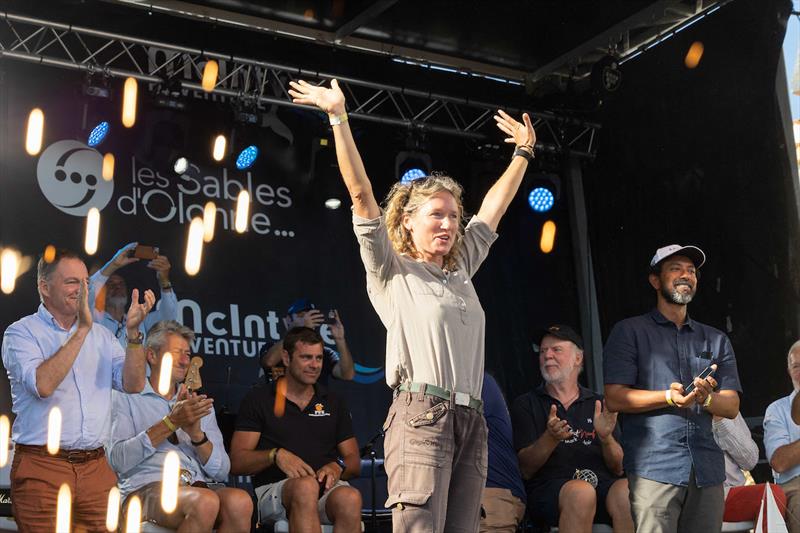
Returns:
(675,469)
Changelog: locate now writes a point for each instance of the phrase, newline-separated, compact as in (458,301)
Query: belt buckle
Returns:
(462,398)
(76,457)
(185,477)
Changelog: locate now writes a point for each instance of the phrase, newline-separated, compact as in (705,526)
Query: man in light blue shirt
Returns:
(782,443)
(59,359)
(149,425)
(109,292)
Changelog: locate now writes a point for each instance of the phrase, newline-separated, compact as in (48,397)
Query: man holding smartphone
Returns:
(303,313)
(675,469)
(109,291)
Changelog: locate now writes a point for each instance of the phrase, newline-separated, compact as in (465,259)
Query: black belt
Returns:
(71,456)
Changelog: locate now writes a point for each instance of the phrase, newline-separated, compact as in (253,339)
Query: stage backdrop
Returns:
(293,247)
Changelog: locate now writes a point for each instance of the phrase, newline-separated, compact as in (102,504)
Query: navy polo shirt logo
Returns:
(319,410)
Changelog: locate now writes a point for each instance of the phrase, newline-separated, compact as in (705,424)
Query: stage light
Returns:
(49,253)
(98,134)
(210,72)
(548,237)
(5,434)
(181,165)
(412,174)
(170,480)
(333,203)
(129,102)
(411,165)
(209,221)
(54,430)
(242,211)
(694,55)
(219,147)
(9,269)
(92,231)
(165,376)
(63,509)
(108,167)
(194,247)
(133,518)
(247,157)
(541,199)
(112,511)
(34,132)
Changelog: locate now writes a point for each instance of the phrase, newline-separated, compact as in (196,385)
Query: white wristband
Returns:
(668,396)
(335,120)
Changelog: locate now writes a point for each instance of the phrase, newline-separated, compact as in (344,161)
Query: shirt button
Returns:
(444,281)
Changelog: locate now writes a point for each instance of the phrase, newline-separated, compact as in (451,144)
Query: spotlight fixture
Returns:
(247,157)
(181,165)
(410,166)
(541,199)
(98,134)
(412,174)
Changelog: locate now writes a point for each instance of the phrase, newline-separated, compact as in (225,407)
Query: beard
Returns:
(116,301)
(557,375)
(677,297)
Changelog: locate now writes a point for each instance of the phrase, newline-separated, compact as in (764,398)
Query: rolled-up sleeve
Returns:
(776,430)
(620,359)
(376,249)
(523,423)
(478,238)
(727,374)
(733,437)
(127,448)
(22,355)
(219,464)
(167,309)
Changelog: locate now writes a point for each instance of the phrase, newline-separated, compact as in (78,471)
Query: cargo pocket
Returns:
(427,442)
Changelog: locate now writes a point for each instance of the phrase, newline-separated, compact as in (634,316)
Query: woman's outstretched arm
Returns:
(331,101)
(502,192)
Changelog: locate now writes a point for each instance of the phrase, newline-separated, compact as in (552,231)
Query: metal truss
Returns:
(261,83)
(629,38)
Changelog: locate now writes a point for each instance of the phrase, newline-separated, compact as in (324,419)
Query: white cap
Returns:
(692,252)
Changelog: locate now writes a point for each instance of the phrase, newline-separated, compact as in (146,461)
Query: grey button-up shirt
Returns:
(649,352)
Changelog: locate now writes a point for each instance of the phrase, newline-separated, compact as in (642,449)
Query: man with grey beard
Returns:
(566,444)
(108,293)
(675,469)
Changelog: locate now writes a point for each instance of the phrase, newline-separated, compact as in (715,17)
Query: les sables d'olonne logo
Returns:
(70,176)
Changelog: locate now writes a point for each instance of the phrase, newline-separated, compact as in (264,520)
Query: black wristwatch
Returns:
(340,462)
(201,441)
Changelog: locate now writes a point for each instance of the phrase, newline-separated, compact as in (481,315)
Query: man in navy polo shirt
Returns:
(675,468)
(566,443)
(297,440)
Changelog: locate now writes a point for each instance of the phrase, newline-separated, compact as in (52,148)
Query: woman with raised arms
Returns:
(419,259)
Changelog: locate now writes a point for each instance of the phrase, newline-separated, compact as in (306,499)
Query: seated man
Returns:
(148,425)
(566,446)
(303,312)
(782,443)
(109,293)
(742,502)
(296,439)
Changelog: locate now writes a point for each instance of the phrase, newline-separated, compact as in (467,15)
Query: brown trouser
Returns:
(35,480)
(504,511)
(792,490)
(436,462)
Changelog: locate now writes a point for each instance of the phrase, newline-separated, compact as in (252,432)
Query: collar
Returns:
(660,319)
(320,391)
(583,392)
(45,315)
(148,390)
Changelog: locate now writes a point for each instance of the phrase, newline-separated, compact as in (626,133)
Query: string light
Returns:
(54,430)
(35,132)
(210,72)
(194,247)
(112,512)
(63,509)
(165,376)
(108,167)
(170,481)
(92,231)
(129,102)
(219,147)
(242,210)
(209,221)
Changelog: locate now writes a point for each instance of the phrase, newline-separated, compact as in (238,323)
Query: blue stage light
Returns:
(411,175)
(98,134)
(541,199)
(247,157)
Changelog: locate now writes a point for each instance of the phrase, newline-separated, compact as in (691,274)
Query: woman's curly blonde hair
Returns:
(404,199)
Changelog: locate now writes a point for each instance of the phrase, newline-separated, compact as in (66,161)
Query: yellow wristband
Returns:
(707,403)
(170,425)
(335,120)
(668,396)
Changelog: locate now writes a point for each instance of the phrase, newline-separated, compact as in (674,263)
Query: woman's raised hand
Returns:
(519,134)
(330,100)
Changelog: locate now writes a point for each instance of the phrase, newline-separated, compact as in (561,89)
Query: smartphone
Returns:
(703,375)
(145,252)
(330,317)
